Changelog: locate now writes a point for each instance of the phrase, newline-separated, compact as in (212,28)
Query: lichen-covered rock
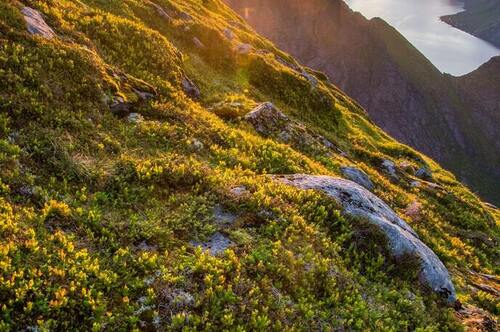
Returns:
(224,217)
(360,203)
(266,119)
(36,24)
(271,122)
(216,245)
(358,176)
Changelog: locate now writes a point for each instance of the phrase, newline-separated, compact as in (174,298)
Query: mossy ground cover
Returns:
(97,214)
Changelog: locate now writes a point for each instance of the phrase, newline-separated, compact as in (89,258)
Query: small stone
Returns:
(313,80)
(176,298)
(144,246)
(414,211)
(266,118)
(121,109)
(197,145)
(144,95)
(36,24)
(135,118)
(244,48)
(13,137)
(216,245)
(328,144)
(228,33)
(239,191)
(223,217)
(424,173)
(390,168)
(190,88)
(161,11)
(184,16)
(198,43)
(27,191)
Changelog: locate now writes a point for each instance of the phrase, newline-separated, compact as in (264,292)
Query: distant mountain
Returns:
(403,92)
(481,18)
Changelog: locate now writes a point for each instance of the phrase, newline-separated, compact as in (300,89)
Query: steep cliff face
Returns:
(479,92)
(401,90)
(481,18)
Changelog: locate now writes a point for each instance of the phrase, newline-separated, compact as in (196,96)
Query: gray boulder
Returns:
(360,203)
(271,122)
(358,176)
(36,24)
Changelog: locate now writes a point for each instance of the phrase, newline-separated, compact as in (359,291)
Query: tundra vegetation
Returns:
(101,210)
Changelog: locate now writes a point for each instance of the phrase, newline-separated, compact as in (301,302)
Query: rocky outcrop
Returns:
(271,122)
(403,92)
(360,203)
(36,24)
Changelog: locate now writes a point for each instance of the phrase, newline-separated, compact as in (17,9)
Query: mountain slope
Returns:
(480,18)
(127,142)
(401,90)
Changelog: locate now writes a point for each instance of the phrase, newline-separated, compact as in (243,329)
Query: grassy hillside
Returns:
(100,214)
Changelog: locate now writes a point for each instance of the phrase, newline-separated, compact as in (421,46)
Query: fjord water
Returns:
(450,50)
